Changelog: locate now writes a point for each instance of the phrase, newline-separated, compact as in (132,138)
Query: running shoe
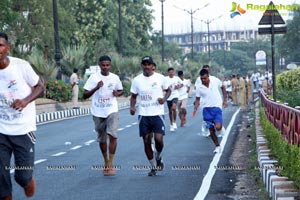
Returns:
(207,132)
(152,172)
(160,164)
(174,126)
(223,131)
(217,149)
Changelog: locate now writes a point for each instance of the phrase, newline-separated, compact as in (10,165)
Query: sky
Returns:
(177,21)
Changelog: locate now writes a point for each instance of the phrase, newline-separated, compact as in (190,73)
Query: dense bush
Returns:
(288,155)
(288,87)
(58,90)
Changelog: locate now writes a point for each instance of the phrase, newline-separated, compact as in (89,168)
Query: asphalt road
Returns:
(68,162)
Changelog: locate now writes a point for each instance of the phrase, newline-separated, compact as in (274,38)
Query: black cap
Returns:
(147,59)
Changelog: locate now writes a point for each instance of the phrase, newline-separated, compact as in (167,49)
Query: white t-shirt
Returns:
(103,101)
(198,82)
(149,90)
(172,82)
(16,82)
(227,85)
(210,97)
(183,90)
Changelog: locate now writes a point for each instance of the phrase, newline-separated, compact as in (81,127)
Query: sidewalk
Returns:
(49,110)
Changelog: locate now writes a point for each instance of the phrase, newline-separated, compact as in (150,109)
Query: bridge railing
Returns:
(283,117)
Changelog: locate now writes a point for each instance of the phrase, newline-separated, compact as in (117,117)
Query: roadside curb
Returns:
(278,187)
(70,113)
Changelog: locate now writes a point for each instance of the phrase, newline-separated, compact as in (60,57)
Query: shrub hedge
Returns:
(287,155)
(288,87)
(62,92)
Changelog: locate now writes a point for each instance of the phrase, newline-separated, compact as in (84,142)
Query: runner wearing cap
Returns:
(150,87)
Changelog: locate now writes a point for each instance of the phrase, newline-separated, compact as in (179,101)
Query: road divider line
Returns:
(89,142)
(59,154)
(128,126)
(39,161)
(206,182)
(76,147)
(120,129)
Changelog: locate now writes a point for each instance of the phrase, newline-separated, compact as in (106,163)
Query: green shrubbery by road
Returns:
(288,87)
(287,155)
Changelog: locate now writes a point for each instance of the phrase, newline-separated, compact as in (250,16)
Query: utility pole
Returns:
(57,54)
(162,31)
(120,32)
(207,22)
(192,12)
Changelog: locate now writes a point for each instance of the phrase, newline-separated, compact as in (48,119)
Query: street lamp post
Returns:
(162,31)
(56,39)
(120,28)
(191,12)
(208,32)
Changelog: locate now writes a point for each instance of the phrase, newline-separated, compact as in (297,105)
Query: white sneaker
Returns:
(222,132)
(174,125)
(218,149)
(207,132)
(172,128)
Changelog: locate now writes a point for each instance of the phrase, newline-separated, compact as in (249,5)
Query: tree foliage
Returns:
(289,43)
(46,70)
(73,57)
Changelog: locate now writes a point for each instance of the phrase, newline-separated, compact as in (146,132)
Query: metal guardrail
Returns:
(286,119)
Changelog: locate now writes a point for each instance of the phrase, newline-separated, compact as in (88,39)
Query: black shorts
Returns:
(23,146)
(170,103)
(151,124)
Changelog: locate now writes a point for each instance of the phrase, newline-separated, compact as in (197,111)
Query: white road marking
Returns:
(211,171)
(39,161)
(89,142)
(59,154)
(35,162)
(128,126)
(76,147)
(120,129)
(134,123)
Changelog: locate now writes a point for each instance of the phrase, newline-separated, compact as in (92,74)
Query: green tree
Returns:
(289,43)
(46,70)
(73,57)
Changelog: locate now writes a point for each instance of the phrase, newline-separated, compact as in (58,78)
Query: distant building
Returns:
(218,39)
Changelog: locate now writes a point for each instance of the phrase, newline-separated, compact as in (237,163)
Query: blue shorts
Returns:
(151,124)
(212,115)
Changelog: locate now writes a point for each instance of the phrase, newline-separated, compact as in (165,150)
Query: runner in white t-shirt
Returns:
(212,103)
(150,87)
(19,87)
(174,83)
(183,97)
(104,87)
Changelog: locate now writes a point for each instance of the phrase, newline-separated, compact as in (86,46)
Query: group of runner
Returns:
(20,86)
